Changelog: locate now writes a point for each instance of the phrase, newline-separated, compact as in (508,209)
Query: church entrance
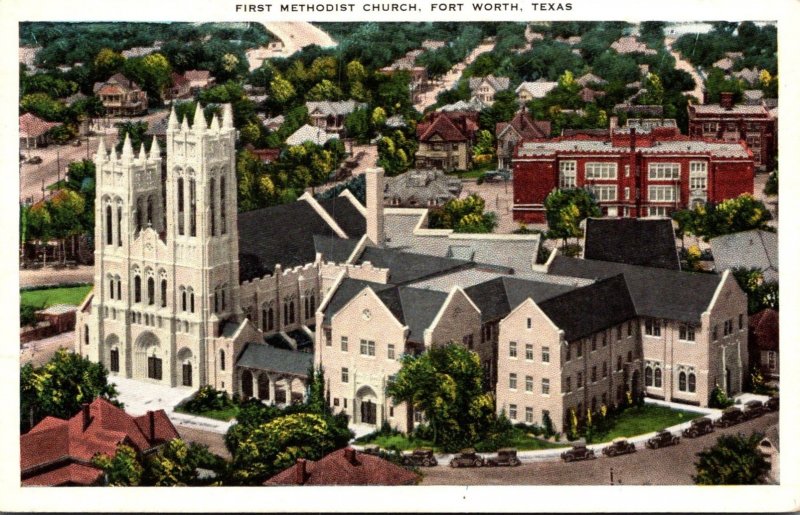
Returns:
(154,368)
(247,384)
(187,374)
(149,361)
(367,406)
(368,412)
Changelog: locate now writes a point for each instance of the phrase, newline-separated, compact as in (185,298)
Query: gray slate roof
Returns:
(749,249)
(497,297)
(405,267)
(423,186)
(343,107)
(632,241)
(497,83)
(266,357)
(656,292)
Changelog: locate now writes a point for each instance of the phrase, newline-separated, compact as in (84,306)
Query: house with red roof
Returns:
(181,87)
(33,131)
(445,140)
(121,96)
(58,452)
(508,134)
(344,467)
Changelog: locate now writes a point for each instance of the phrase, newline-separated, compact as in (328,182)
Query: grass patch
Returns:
(523,441)
(400,442)
(639,420)
(217,414)
(73,295)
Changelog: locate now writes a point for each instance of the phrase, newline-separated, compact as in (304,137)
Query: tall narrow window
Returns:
(111,288)
(222,298)
(114,360)
(191,301)
(183,299)
(270,319)
(313,305)
(163,293)
(150,211)
(291,312)
(151,291)
(692,382)
(119,226)
(192,207)
(119,288)
(212,206)
(222,221)
(222,359)
(139,213)
(264,320)
(180,207)
(137,289)
(109,226)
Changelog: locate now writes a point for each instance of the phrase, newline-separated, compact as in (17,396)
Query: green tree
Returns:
(733,460)
(122,469)
(463,215)
(378,116)
(66,209)
(761,294)
(446,384)
(771,187)
(655,90)
(59,387)
(152,72)
(324,67)
(281,89)
(324,90)
(43,106)
(565,209)
(355,72)
(107,63)
(175,464)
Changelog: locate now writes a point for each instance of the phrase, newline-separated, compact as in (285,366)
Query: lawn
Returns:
(400,442)
(521,441)
(72,295)
(644,419)
(219,414)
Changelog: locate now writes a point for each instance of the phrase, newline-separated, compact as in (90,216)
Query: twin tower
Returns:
(166,253)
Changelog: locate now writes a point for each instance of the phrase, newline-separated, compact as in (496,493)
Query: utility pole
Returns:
(611,474)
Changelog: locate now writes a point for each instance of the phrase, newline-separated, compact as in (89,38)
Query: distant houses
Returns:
(33,131)
(485,88)
(508,134)
(527,91)
(329,116)
(421,188)
(315,135)
(445,140)
(121,96)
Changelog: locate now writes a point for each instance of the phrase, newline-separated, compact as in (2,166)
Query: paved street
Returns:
(39,352)
(682,64)
(50,276)
(667,466)
(294,35)
(214,441)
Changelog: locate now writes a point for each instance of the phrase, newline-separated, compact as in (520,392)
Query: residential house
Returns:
(485,88)
(181,87)
(329,116)
(764,343)
(754,124)
(121,96)
(58,452)
(445,140)
(344,467)
(751,76)
(199,79)
(315,135)
(632,173)
(590,95)
(474,105)
(521,127)
(631,241)
(591,79)
(33,131)
(631,45)
(747,249)
(421,188)
(527,91)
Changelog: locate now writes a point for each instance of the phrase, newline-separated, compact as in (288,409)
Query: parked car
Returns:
(773,403)
(35,160)
(467,458)
(619,446)
(698,427)
(76,143)
(730,416)
(496,175)
(420,458)
(504,458)
(753,409)
(662,439)
(578,452)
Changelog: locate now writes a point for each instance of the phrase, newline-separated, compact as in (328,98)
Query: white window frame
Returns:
(662,193)
(512,411)
(512,381)
(529,352)
(545,386)
(567,174)
(686,333)
(604,192)
(657,211)
(528,414)
(390,351)
(663,171)
(545,354)
(529,384)
(600,170)
(512,350)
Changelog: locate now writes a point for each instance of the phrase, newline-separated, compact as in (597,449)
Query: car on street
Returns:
(578,452)
(773,403)
(662,439)
(35,160)
(467,458)
(730,416)
(698,427)
(753,409)
(619,446)
(496,175)
(420,458)
(504,458)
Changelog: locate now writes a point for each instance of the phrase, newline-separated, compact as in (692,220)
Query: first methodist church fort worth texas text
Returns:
(189,292)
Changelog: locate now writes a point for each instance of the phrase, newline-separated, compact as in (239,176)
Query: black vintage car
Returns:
(467,458)
(698,427)
(619,446)
(420,458)
(773,403)
(504,458)
(730,416)
(753,409)
(578,452)
(662,439)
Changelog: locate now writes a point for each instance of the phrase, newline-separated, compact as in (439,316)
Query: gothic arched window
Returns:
(151,291)
(109,226)
(291,311)
(139,213)
(150,211)
(222,221)
(192,207)
(682,381)
(648,375)
(222,359)
(657,382)
(692,382)
(111,288)
(119,226)
(270,319)
(212,206)
(163,293)
(137,289)
(180,206)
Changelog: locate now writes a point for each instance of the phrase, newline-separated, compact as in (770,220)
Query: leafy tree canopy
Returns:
(734,460)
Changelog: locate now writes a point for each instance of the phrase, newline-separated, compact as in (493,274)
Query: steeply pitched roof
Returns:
(590,78)
(496,298)
(656,292)
(538,89)
(496,83)
(748,249)
(261,356)
(54,444)
(308,133)
(632,241)
(525,126)
(31,126)
(442,126)
(346,290)
(326,107)
(333,248)
(405,267)
(337,469)
(284,234)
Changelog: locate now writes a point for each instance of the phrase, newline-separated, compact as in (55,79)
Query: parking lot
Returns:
(666,466)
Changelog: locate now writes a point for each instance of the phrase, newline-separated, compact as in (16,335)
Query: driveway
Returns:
(666,466)
(39,352)
(295,35)
(51,276)
(684,65)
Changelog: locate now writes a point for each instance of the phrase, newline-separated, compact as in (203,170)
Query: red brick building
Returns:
(57,452)
(754,124)
(632,174)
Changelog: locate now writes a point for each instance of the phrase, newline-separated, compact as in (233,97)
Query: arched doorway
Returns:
(635,384)
(367,405)
(263,386)
(185,359)
(112,347)
(149,357)
(247,384)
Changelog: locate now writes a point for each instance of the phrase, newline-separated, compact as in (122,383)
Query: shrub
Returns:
(208,399)
(718,399)
(27,314)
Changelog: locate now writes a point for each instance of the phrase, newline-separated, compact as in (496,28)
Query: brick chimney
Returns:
(151,418)
(87,417)
(300,472)
(726,100)
(375,206)
(350,455)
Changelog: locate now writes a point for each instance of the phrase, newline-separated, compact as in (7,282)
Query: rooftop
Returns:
(344,467)
(644,242)
(748,249)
